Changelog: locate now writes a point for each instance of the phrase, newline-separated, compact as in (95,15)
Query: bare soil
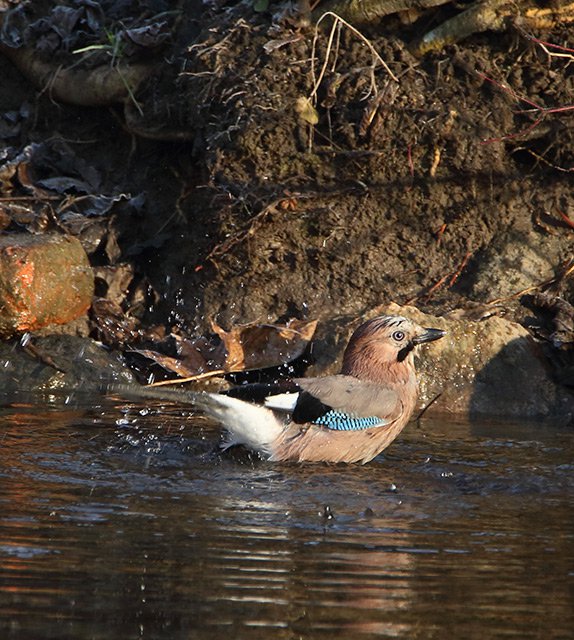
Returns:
(241,209)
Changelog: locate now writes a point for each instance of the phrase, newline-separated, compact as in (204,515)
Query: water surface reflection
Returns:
(121,522)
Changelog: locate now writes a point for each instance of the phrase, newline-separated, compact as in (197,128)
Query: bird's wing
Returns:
(281,396)
(345,403)
(262,393)
(341,403)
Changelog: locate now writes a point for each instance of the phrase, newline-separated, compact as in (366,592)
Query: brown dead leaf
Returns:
(201,354)
(114,281)
(260,346)
(112,326)
(195,358)
(242,348)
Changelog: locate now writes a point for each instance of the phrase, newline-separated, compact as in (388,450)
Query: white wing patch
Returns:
(282,401)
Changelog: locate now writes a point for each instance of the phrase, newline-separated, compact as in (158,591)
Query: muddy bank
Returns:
(215,191)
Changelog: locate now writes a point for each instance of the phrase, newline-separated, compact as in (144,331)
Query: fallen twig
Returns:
(427,407)
(568,270)
(199,376)
(456,274)
(543,111)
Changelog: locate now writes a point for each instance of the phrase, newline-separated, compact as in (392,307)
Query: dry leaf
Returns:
(242,348)
(260,346)
(306,110)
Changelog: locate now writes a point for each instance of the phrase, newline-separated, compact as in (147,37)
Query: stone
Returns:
(59,363)
(515,263)
(44,280)
(489,368)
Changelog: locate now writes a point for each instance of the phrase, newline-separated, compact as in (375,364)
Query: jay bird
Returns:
(348,417)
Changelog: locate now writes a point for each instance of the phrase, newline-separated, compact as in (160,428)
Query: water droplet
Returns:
(327,513)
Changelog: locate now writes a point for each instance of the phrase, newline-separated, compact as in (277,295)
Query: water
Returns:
(118,521)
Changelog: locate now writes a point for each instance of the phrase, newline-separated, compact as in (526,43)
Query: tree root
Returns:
(494,15)
(361,12)
(483,15)
(104,85)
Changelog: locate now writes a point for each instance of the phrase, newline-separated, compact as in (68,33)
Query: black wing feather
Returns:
(258,392)
(309,408)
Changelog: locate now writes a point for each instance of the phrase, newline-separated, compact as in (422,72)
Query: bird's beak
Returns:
(428,335)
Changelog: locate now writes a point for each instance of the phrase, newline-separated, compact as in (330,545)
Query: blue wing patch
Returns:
(340,421)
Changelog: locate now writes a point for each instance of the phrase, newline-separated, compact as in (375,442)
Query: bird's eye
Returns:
(399,336)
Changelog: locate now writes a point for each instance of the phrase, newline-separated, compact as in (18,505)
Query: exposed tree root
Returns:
(493,15)
(366,11)
(103,85)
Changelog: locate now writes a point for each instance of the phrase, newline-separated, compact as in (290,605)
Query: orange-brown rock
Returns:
(44,280)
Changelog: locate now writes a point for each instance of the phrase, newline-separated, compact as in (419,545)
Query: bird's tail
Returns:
(247,424)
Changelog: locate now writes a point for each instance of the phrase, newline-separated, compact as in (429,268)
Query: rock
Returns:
(488,368)
(44,280)
(59,363)
(514,263)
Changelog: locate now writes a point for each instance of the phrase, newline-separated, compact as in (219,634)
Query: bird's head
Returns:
(383,342)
